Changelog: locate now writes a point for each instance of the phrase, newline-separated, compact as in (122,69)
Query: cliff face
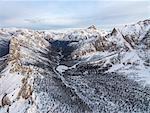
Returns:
(25,49)
(78,71)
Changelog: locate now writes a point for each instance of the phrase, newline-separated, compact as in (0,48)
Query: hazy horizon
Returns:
(42,15)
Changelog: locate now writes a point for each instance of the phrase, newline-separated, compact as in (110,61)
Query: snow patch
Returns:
(61,68)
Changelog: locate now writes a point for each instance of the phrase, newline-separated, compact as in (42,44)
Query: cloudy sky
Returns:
(58,14)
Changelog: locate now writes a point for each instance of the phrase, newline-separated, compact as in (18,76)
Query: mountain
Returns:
(76,71)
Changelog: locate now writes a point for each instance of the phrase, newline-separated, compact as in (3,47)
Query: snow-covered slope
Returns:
(76,71)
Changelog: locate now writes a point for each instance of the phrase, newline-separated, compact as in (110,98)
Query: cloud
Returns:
(70,13)
(53,21)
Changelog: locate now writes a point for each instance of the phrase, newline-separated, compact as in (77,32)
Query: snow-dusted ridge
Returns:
(75,71)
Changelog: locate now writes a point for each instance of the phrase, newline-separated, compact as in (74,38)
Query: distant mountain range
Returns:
(75,71)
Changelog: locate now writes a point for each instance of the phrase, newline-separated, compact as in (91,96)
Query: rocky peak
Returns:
(145,22)
(114,32)
(92,27)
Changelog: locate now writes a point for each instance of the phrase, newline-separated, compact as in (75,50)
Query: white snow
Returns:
(131,62)
(61,68)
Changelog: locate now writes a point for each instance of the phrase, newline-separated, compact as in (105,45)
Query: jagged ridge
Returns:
(101,73)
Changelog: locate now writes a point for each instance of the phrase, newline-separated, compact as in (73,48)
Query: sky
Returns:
(60,14)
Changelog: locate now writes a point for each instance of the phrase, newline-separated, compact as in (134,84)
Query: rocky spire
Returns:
(114,31)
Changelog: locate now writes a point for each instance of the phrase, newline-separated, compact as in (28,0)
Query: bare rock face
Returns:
(84,50)
(26,89)
(102,72)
